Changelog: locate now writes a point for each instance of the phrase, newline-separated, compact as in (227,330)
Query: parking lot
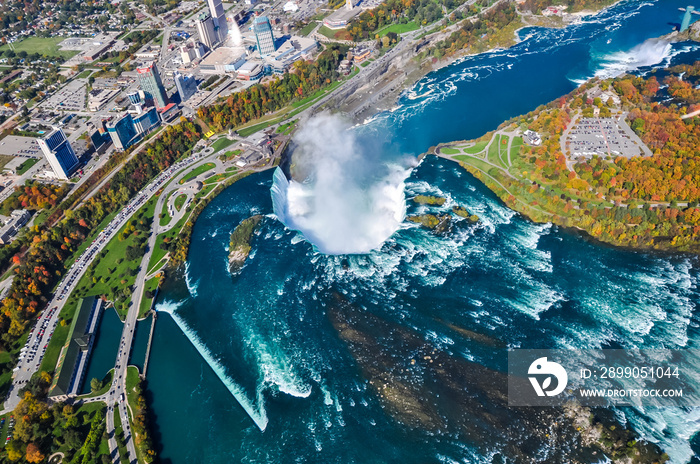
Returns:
(70,97)
(14,145)
(607,137)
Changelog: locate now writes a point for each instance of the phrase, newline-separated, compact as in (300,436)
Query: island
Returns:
(239,246)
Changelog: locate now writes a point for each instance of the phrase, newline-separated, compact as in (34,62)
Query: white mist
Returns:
(350,202)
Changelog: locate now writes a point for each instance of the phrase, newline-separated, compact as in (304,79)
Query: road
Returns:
(41,333)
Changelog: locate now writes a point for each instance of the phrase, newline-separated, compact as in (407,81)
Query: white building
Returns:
(223,60)
(290,7)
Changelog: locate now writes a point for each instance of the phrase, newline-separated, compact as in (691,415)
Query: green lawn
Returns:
(165,215)
(287,128)
(398,28)
(58,339)
(195,172)
(5,382)
(84,74)
(151,285)
(86,243)
(306,30)
(478,147)
(503,151)
(497,150)
(106,383)
(221,143)
(111,274)
(230,154)
(330,33)
(258,127)
(515,148)
(43,45)
(4,159)
(449,151)
(26,166)
(477,163)
(179,201)
(132,380)
(166,218)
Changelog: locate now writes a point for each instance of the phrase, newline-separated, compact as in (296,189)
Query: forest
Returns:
(423,12)
(493,28)
(34,196)
(301,81)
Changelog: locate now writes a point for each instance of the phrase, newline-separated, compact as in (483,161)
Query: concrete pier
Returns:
(150,339)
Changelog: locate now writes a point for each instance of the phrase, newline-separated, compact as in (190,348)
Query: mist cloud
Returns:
(350,201)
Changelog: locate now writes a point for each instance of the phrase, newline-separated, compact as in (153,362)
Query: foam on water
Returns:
(191,286)
(276,369)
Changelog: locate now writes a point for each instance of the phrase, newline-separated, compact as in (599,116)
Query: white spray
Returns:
(350,202)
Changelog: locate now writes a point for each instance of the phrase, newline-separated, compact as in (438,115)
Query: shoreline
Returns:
(363,111)
(571,229)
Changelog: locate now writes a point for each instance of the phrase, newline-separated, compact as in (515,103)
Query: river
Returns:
(251,368)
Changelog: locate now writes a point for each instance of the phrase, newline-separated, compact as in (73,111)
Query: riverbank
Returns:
(382,92)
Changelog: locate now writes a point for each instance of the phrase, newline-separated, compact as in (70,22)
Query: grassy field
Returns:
(450,151)
(330,33)
(58,339)
(221,143)
(306,30)
(478,147)
(151,285)
(398,28)
(258,127)
(515,148)
(479,164)
(497,153)
(43,45)
(4,159)
(132,380)
(106,383)
(27,165)
(195,172)
(165,217)
(230,154)
(111,273)
(287,128)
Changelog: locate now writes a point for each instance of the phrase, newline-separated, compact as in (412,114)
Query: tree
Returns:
(14,450)
(95,385)
(34,454)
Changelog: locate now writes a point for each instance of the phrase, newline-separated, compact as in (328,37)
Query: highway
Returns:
(39,338)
